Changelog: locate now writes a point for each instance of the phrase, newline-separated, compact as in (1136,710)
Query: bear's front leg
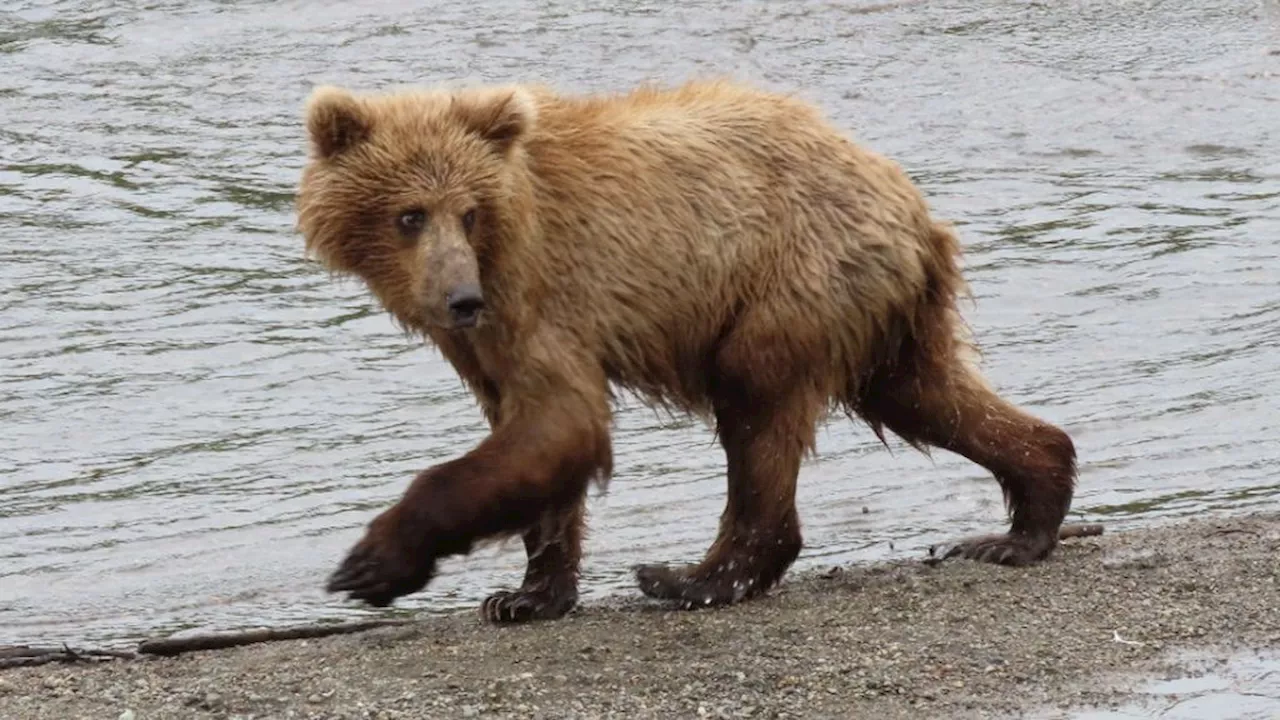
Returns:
(396,556)
(765,437)
(550,588)
(535,463)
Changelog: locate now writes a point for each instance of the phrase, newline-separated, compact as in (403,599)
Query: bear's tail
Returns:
(945,251)
(928,335)
(937,327)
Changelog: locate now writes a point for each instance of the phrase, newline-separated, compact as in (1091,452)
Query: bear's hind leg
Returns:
(939,399)
(550,588)
(765,439)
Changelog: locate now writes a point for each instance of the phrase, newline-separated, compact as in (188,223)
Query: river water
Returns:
(196,421)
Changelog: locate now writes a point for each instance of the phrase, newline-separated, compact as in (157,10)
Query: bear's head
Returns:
(411,192)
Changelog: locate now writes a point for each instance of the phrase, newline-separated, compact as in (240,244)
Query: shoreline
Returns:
(890,640)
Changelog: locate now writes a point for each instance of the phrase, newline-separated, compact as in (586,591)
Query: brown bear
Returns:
(715,248)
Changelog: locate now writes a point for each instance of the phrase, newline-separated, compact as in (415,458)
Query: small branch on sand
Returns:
(177,645)
(1078,531)
(12,656)
(25,655)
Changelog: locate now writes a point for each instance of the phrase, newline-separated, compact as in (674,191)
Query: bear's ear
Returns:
(502,116)
(335,120)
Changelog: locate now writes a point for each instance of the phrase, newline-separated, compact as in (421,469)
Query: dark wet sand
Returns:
(899,640)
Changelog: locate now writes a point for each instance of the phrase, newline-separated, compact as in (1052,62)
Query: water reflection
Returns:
(1242,686)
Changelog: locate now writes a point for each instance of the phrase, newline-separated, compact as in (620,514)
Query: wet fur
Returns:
(716,249)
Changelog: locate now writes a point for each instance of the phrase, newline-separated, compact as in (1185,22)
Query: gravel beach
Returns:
(901,640)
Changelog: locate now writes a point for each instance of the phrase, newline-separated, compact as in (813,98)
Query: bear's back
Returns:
(670,211)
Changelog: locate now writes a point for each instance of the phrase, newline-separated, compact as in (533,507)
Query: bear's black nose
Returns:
(465,303)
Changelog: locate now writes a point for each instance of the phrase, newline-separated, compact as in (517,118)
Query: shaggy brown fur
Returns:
(718,250)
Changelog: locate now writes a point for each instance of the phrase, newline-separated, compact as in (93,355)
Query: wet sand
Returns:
(900,640)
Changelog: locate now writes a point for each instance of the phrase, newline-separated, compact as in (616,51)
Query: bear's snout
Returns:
(465,303)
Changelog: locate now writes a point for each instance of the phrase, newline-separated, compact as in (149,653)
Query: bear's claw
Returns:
(359,577)
(526,605)
(694,588)
(375,575)
(1012,549)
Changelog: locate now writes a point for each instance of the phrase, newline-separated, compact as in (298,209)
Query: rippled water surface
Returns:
(196,422)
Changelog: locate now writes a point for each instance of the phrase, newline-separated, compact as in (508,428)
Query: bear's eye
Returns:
(468,220)
(412,222)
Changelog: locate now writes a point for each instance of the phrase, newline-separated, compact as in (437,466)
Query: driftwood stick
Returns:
(177,645)
(1079,530)
(25,655)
